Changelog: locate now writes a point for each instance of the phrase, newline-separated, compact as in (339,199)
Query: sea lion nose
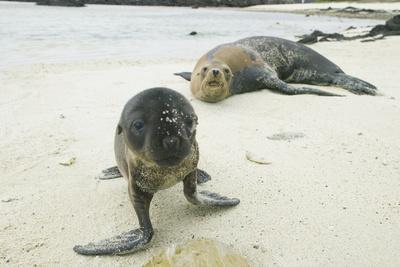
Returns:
(215,72)
(170,142)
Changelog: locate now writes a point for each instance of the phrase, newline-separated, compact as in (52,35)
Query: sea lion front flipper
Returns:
(110,173)
(202,176)
(204,198)
(131,241)
(280,86)
(121,244)
(185,75)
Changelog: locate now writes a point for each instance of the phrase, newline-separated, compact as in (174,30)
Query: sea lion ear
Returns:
(119,129)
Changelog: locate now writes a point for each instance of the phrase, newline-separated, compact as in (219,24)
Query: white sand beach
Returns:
(328,198)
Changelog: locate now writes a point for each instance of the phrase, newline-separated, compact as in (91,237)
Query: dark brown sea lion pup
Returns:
(155,148)
(262,62)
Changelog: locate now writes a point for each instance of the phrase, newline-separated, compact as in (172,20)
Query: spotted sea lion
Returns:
(155,148)
(262,62)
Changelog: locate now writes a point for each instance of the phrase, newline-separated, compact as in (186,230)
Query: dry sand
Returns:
(331,196)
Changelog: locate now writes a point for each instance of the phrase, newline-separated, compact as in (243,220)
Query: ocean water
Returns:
(31,34)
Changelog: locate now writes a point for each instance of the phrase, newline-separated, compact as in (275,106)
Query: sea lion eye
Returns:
(138,125)
(191,122)
(226,71)
(205,69)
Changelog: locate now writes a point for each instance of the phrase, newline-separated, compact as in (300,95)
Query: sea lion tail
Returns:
(185,75)
(354,85)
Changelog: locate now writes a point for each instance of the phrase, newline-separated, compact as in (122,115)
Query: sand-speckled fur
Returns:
(147,175)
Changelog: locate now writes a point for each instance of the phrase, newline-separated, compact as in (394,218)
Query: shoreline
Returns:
(171,3)
(334,9)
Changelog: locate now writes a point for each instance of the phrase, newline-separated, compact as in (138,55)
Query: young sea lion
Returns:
(155,148)
(262,62)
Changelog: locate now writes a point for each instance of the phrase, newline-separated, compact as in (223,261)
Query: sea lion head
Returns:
(214,78)
(159,126)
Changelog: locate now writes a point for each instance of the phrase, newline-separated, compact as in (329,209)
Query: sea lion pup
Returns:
(155,148)
(262,62)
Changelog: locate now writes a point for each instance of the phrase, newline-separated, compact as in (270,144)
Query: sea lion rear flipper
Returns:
(204,198)
(110,173)
(353,84)
(338,78)
(202,176)
(185,75)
